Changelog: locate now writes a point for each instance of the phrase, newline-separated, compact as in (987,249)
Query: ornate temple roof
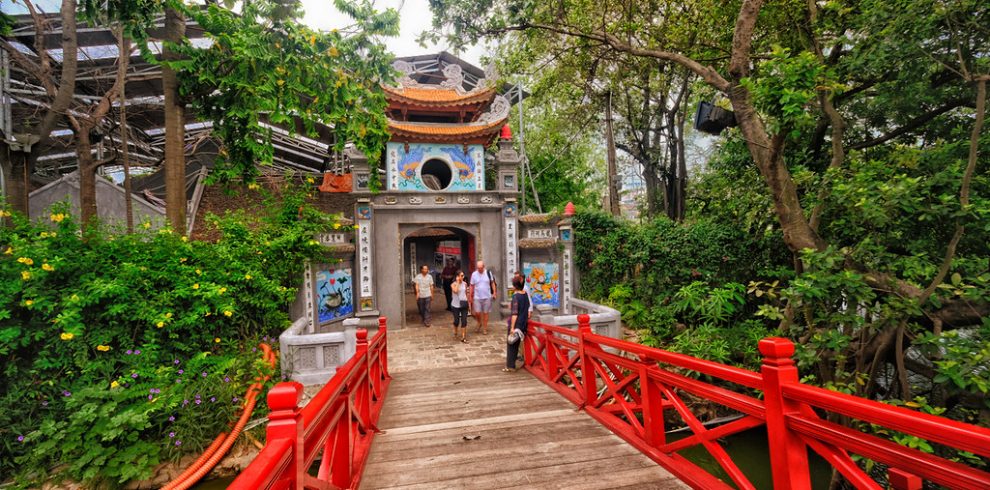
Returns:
(467,133)
(438,97)
(446,111)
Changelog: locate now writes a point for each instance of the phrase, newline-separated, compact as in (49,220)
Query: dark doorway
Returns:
(436,174)
(433,247)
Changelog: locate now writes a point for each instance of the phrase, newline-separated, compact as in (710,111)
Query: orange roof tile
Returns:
(444,129)
(438,95)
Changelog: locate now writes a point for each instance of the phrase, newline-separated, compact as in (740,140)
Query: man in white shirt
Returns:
(423,284)
(482,294)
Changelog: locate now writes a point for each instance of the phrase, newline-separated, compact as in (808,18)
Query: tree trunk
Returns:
(613,197)
(87,178)
(17,174)
(125,55)
(175,162)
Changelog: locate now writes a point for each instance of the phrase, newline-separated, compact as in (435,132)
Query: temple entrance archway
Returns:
(434,247)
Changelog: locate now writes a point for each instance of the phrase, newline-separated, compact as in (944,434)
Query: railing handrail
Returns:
(629,386)
(338,422)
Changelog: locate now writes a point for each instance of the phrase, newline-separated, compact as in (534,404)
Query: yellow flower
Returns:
(57,217)
(53,234)
(196,286)
(198,272)
(46,266)
(67,335)
(333,51)
(217,340)
(185,238)
(182,259)
(74,297)
(43,234)
(280,82)
(114,385)
(312,40)
(103,348)
(310,180)
(207,314)
(168,315)
(222,290)
(28,302)
(9,251)
(26,261)
(4,213)
(160,324)
(146,225)
(228,313)
(25,275)
(247,277)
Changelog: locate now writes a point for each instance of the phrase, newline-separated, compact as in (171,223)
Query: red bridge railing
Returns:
(630,388)
(338,423)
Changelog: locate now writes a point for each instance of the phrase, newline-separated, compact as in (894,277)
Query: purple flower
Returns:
(66,393)
(176,362)
(254,349)
(185,402)
(20,438)
(171,418)
(213,399)
(129,352)
(197,396)
(182,371)
(137,353)
(178,443)
(226,379)
(198,401)
(134,375)
(235,399)
(204,374)
(171,435)
(150,397)
(178,381)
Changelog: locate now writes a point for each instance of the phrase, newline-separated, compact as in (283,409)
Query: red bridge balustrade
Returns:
(629,388)
(338,423)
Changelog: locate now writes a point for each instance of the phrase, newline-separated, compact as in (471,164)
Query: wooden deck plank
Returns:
(520,433)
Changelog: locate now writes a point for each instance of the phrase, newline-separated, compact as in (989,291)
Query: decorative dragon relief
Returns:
(453,78)
(406,71)
(497,111)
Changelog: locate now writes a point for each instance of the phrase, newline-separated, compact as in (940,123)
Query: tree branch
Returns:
(911,126)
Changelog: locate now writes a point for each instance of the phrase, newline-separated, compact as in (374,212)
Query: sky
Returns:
(414,17)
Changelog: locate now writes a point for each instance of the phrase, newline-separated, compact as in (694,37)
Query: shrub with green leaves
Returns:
(121,351)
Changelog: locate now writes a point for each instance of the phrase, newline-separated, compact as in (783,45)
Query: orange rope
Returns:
(218,449)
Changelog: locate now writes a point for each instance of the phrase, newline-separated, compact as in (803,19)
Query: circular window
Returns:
(436,174)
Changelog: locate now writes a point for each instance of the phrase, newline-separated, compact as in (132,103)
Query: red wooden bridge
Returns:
(628,390)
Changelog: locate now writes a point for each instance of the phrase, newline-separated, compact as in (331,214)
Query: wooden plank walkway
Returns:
(477,427)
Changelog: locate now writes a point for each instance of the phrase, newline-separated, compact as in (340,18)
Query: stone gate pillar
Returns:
(365,258)
(567,280)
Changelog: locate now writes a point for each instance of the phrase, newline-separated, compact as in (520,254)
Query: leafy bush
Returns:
(121,351)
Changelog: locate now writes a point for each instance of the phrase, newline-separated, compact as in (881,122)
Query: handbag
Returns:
(515,336)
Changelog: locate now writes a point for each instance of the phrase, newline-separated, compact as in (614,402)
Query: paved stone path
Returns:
(418,347)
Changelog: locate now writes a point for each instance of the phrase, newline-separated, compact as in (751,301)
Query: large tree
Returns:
(19,151)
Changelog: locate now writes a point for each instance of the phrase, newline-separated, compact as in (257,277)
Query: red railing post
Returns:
(902,480)
(788,454)
(383,355)
(363,392)
(551,351)
(285,422)
(588,377)
(653,423)
(342,462)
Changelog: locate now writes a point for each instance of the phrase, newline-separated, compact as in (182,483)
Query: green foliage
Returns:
(117,347)
(677,283)
(265,67)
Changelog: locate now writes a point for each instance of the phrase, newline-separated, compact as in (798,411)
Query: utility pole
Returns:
(527,171)
(613,198)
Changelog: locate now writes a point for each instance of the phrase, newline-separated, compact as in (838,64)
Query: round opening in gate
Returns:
(436,174)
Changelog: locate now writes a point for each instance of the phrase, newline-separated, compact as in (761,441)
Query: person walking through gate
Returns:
(459,304)
(423,284)
(518,321)
(482,294)
(446,278)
